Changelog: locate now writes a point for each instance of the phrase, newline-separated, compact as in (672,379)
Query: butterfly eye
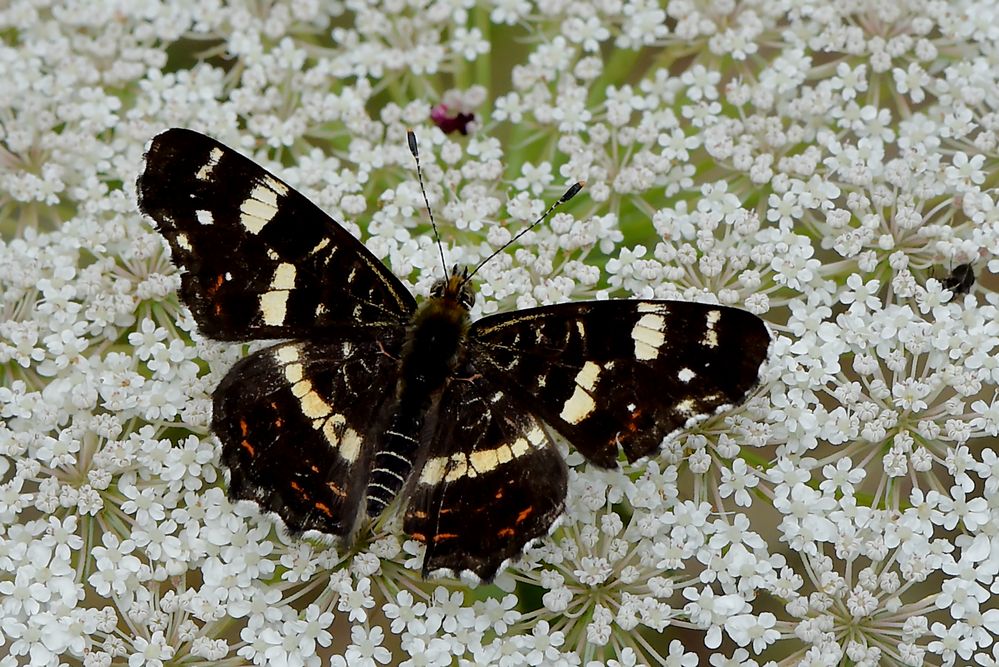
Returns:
(466,297)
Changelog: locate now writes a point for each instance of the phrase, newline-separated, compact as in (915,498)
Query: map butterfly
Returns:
(372,396)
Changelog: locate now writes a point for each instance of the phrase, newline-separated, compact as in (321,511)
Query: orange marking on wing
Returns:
(244,427)
(336,490)
(314,468)
(525,513)
(249,448)
(324,508)
(419,537)
(214,287)
(299,490)
(444,536)
(505,532)
(499,494)
(632,424)
(419,514)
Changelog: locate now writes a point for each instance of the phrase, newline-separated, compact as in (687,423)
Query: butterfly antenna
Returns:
(411,137)
(569,194)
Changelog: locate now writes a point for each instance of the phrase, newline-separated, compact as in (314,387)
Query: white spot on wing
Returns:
(648,336)
(258,209)
(293,373)
(686,375)
(484,460)
(314,407)
(459,468)
(685,407)
(350,445)
(710,335)
(286,354)
(319,246)
(273,307)
(519,447)
(301,388)
(274,184)
(206,169)
(588,375)
(204,217)
(183,242)
(577,407)
(433,470)
(580,404)
(284,276)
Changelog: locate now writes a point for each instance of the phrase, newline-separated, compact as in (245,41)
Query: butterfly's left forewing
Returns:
(258,259)
(622,375)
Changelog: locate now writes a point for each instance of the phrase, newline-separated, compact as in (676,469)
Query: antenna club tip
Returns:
(582,183)
(411,138)
(572,191)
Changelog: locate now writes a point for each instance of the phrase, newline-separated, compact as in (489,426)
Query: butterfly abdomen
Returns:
(434,347)
(393,462)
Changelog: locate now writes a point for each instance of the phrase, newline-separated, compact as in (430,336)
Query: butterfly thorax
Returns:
(432,352)
(434,339)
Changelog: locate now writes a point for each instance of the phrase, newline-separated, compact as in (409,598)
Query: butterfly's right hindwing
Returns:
(491,481)
(298,424)
(259,260)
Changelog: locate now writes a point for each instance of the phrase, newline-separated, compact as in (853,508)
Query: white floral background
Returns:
(825,165)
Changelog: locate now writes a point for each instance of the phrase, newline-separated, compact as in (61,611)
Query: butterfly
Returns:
(370,396)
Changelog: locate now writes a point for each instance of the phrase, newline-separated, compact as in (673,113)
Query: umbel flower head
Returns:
(823,165)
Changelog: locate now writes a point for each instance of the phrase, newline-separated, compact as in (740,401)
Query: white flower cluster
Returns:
(824,165)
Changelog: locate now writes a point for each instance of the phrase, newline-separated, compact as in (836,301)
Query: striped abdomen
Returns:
(392,463)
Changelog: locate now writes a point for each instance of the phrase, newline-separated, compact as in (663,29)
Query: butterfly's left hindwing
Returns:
(259,260)
(298,422)
(622,375)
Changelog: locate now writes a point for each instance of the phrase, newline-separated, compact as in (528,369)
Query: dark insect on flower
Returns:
(373,397)
(449,121)
(960,280)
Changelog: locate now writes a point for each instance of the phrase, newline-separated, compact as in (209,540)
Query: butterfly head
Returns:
(455,288)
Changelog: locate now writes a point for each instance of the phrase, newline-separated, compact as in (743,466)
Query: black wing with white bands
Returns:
(299,422)
(622,375)
(491,481)
(259,260)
